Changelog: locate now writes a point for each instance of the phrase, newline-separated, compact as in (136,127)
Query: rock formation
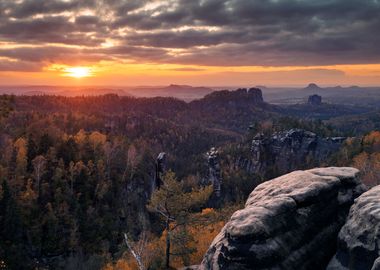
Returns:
(287,151)
(359,239)
(215,176)
(255,95)
(242,95)
(290,222)
(160,169)
(314,100)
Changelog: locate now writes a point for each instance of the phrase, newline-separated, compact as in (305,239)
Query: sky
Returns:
(195,42)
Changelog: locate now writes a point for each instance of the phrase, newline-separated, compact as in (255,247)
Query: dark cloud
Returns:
(187,69)
(22,66)
(71,55)
(32,7)
(186,39)
(134,53)
(207,32)
(53,54)
(52,29)
(87,20)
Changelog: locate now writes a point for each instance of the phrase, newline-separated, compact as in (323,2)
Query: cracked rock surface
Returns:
(290,222)
(359,238)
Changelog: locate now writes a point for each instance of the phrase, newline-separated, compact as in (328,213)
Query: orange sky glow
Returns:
(116,74)
(209,43)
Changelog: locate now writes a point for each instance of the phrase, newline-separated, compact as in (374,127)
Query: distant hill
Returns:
(60,91)
(220,110)
(91,92)
(184,92)
(352,95)
(323,111)
(357,124)
(312,87)
(34,93)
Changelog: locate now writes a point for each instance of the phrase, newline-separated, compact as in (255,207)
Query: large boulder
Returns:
(290,222)
(359,239)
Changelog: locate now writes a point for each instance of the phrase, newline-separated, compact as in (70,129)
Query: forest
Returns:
(80,189)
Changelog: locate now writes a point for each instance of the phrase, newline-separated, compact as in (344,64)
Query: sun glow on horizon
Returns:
(78,72)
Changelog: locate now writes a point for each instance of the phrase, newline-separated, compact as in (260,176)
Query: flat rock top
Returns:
(284,194)
(339,172)
(285,220)
(300,182)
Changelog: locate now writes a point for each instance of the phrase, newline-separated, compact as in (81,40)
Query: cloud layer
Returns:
(196,32)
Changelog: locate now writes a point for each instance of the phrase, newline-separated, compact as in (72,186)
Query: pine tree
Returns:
(175,207)
(12,249)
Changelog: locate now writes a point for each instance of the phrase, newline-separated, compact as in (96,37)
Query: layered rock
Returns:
(215,175)
(290,222)
(314,100)
(289,150)
(359,238)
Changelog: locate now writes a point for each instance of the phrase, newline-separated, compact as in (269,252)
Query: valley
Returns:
(79,171)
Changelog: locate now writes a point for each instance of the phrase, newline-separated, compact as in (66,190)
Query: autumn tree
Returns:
(39,166)
(21,159)
(175,206)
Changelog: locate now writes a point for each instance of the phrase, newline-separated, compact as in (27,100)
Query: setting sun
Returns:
(78,72)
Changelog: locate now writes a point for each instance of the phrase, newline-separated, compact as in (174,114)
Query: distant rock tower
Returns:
(160,169)
(314,100)
(215,175)
(255,95)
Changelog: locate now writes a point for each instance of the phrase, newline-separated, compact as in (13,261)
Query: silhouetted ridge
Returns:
(244,95)
(312,86)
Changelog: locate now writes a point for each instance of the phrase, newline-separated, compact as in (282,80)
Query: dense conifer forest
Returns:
(79,180)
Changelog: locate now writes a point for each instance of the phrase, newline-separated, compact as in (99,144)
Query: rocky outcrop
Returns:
(287,151)
(359,239)
(255,95)
(215,176)
(290,222)
(241,96)
(314,100)
(160,168)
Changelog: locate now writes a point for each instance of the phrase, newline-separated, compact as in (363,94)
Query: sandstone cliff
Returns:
(290,222)
(287,151)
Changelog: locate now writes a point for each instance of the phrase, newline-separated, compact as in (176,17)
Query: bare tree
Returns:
(39,165)
(137,249)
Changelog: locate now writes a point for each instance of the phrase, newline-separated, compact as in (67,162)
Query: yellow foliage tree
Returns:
(96,138)
(175,207)
(369,166)
(21,159)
